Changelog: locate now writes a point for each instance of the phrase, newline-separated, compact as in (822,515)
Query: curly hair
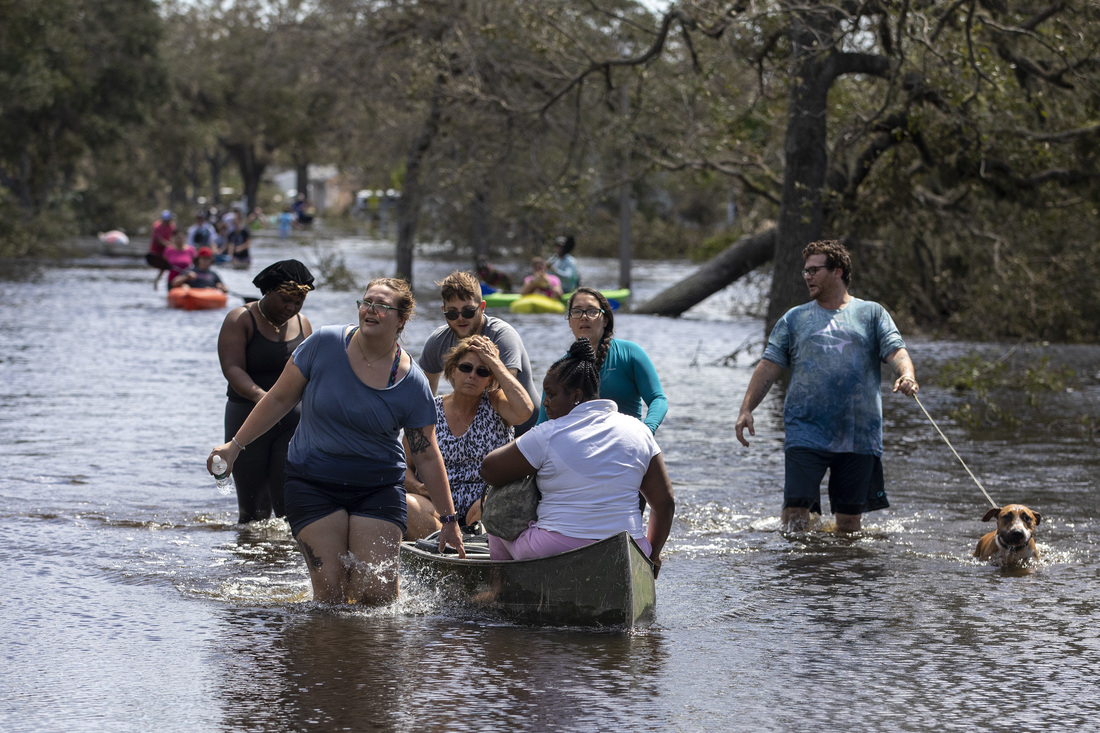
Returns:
(835,256)
(609,322)
(577,370)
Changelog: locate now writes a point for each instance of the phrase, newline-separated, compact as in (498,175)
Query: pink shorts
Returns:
(538,542)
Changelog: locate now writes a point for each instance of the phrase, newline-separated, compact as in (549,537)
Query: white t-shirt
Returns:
(590,466)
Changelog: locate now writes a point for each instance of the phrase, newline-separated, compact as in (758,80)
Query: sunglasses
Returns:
(467,313)
(466,367)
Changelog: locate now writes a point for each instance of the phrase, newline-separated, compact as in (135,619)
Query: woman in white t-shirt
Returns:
(591,463)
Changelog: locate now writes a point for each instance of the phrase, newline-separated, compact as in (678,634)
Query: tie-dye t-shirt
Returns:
(834,399)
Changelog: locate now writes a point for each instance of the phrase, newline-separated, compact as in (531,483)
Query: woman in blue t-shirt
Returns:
(344,493)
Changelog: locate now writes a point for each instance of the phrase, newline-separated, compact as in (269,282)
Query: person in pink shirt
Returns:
(179,256)
(541,281)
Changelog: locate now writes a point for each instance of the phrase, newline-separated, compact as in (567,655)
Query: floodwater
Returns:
(131,600)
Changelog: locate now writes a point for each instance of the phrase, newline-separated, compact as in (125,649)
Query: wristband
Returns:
(448,519)
(237,443)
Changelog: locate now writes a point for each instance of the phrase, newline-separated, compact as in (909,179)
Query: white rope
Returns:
(945,440)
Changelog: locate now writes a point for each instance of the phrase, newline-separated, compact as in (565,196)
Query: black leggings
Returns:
(260,471)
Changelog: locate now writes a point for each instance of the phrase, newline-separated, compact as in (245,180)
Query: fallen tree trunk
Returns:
(740,258)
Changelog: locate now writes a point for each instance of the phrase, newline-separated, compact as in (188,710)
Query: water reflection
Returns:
(314,668)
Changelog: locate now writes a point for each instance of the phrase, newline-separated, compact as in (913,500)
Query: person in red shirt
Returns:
(163,231)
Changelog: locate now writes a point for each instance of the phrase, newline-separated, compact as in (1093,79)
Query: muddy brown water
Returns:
(132,601)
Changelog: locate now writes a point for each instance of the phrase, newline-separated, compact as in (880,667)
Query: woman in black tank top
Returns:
(254,344)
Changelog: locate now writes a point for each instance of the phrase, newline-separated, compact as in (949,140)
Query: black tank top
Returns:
(264,359)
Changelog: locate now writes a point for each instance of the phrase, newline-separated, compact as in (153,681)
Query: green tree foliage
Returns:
(944,141)
(253,80)
(76,77)
(952,145)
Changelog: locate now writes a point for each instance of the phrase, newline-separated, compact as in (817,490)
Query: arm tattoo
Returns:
(418,442)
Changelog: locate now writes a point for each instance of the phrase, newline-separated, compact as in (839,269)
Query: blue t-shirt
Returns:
(629,378)
(834,399)
(351,433)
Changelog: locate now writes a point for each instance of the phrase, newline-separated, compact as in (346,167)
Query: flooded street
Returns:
(132,601)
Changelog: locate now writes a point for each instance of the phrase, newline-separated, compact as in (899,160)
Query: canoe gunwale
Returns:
(608,583)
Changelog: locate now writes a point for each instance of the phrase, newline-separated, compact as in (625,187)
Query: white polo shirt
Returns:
(590,466)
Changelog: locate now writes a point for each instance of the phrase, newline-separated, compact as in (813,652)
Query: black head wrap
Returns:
(283,271)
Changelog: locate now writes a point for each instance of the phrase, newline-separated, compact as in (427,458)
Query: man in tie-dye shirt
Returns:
(834,347)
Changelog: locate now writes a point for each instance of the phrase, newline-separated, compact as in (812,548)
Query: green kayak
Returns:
(505,300)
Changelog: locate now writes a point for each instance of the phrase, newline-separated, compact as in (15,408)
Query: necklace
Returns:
(260,307)
(363,351)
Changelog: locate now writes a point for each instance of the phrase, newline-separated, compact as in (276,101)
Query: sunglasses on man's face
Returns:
(468,312)
(466,367)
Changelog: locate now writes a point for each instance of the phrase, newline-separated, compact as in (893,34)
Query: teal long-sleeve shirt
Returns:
(629,378)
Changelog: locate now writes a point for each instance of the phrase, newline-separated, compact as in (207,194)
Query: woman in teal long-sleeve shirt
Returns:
(627,375)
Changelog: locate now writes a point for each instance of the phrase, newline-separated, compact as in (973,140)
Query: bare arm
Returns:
(505,464)
(232,342)
(413,485)
(903,366)
(510,399)
(657,489)
(433,381)
(429,462)
(286,393)
(763,377)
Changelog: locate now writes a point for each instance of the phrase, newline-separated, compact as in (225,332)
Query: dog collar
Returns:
(1008,548)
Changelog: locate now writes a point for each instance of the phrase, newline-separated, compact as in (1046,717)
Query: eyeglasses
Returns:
(812,270)
(376,308)
(589,313)
(468,312)
(466,367)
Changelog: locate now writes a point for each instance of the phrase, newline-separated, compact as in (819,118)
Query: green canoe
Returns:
(504,300)
(607,583)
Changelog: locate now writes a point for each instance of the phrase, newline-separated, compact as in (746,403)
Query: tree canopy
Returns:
(951,145)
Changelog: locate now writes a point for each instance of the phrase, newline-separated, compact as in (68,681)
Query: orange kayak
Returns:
(195,299)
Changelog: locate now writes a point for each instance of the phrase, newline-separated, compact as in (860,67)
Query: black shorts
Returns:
(856,482)
(308,500)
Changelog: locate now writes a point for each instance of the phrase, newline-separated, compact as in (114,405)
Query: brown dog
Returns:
(1014,539)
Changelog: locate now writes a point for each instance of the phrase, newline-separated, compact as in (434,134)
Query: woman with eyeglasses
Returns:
(590,462)
(627,374)
(478,416)
(345,470)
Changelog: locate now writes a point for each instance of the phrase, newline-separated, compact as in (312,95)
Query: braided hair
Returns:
(577,370)
(609,322)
